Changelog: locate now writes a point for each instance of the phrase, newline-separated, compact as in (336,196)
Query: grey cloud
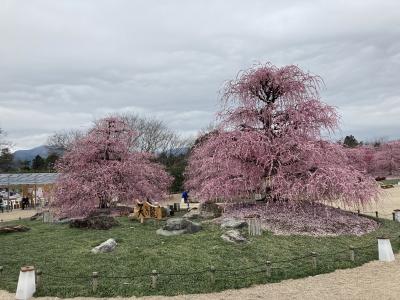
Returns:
(65,63)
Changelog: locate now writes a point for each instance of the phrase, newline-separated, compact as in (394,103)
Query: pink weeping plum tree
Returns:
(364,158)
(387,159)
(382,160)
(270,141)
(100,169)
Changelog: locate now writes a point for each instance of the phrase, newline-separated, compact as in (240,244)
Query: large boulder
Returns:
(95,222)
(234,236)
(210,210)
(37,216)
(233,223)
(11,229)
(64,221)
(177,226)
(107,246)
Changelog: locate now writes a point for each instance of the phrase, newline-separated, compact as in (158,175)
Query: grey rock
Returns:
(233,236)
(193,227)
(208,215)
(170,232)
(64,221)
(233,223)
(105,247)
(37,216)
(210,210)
(177,226)
(10,229)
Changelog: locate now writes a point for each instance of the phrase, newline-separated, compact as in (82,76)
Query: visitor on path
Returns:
(1,204)
(185,197)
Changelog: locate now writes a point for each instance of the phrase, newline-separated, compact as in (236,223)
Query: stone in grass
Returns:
(64,221)
(233,223)
(107,246)
(178,226)
(210,210)
(95,222)
(11,229)
(37,216)
(233,236)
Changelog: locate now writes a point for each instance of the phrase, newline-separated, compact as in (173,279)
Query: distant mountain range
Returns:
(30,154)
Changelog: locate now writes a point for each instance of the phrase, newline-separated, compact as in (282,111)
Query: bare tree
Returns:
(62,140)
(153,135)
(4,143)
(1,138)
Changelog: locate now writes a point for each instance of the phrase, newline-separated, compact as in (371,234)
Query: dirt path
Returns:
(374,280)
(16,214)
(390,201)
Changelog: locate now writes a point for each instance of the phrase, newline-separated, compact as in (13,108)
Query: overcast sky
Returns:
(64,63)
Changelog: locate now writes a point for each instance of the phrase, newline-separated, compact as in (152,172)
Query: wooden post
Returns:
(268,269)
(212,274)
(95,282)
(358,212)
(154,276)
(376,214)
(352,254)
(38,278)
(394,216)
(314,260)
(254,224)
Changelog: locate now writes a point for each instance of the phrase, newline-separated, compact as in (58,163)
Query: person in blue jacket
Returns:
(185,197)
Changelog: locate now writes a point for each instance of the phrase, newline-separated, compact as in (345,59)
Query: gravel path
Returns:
(374,280)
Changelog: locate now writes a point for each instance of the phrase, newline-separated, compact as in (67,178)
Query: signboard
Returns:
(145,210)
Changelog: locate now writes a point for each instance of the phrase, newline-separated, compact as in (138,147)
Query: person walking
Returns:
(185,197)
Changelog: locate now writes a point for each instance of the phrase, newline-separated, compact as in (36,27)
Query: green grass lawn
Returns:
(63,254)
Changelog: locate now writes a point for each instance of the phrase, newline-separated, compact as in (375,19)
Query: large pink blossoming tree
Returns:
(387,159)
(270,142)
(380,160)
(100,169)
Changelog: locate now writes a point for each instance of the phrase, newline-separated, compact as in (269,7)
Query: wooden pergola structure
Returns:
(29,184)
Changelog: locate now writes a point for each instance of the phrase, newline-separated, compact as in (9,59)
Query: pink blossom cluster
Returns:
(270,142)
(380,160)
(100,170)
